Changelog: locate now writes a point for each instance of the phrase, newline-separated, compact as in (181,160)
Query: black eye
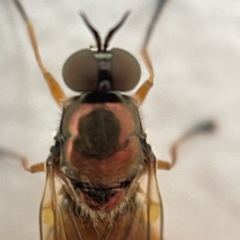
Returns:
(81,73)
(125,70)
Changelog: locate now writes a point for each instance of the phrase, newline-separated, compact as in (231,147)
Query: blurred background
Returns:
(195,52)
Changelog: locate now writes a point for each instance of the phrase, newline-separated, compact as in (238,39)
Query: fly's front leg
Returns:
(54,87)
(39,167)
(203,127)
(143,90)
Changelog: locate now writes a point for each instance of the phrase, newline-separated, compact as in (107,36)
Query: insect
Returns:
(101,172)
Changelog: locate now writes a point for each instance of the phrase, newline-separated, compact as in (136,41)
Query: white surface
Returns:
(196,56)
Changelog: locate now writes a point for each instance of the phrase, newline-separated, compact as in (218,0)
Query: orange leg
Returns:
(39,167)
(143,90)
(204,127)
(54,87)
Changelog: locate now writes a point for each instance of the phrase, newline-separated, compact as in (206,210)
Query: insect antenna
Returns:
(93,30)
(114,29)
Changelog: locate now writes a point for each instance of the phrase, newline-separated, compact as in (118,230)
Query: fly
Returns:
(101,172)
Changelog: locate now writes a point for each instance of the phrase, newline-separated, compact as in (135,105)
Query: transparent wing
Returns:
(59,219)
(151,200)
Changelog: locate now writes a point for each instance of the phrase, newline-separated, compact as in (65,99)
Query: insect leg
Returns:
(54,87)
(143,90)
(39,167)
(203,127)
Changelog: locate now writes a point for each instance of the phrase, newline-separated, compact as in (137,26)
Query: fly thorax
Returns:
(98,134)
(102,148)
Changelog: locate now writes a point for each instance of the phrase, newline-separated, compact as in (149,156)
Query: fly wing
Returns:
(60,220)
(49,206)
(57,221)
(151,200)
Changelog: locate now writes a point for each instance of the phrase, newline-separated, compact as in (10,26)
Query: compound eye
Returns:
(80,71)
(125,70)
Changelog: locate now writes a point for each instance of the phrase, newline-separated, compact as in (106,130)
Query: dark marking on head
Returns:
(98,134)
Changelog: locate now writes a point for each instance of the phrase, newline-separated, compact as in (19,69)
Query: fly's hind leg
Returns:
(203,127)
(143,90)
(54,87)
(39,167)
